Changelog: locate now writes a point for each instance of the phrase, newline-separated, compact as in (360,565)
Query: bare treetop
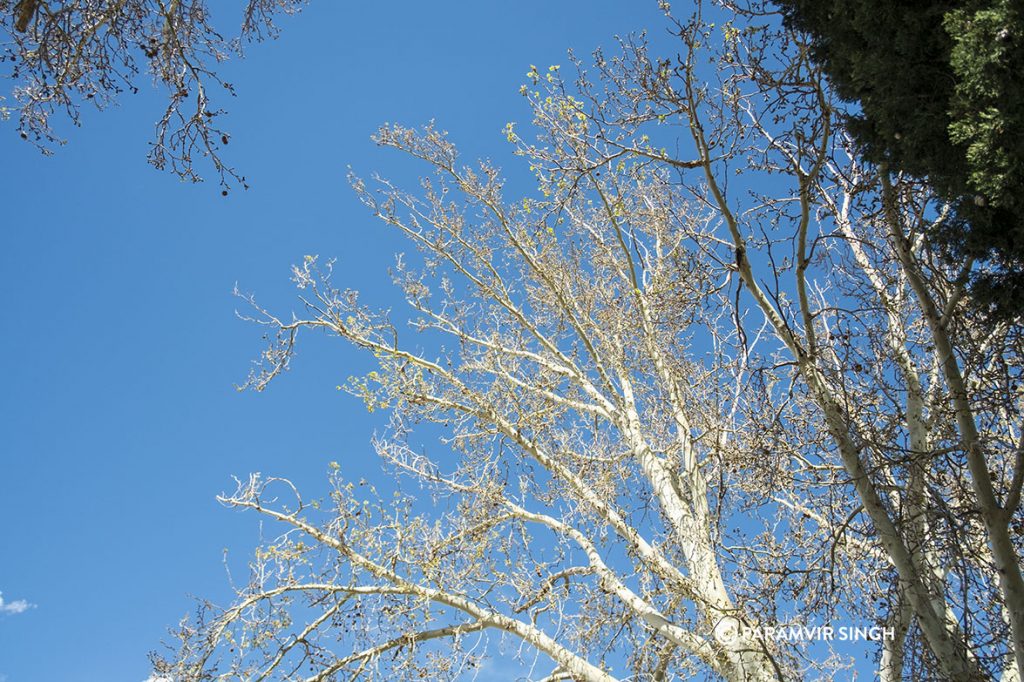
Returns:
(707,381)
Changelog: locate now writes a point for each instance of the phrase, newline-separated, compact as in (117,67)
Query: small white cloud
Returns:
(152,678)
(13,607)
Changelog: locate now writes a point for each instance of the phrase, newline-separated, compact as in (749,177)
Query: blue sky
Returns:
(121,346)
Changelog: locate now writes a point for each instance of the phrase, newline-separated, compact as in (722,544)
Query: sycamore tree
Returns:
(709,382)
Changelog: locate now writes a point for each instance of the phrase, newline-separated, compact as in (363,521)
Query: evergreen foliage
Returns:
(939,88)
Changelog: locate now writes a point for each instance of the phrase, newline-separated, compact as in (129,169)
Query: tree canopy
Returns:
(938,87)
(710,380)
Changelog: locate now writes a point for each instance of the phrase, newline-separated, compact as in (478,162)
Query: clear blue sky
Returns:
(119,420)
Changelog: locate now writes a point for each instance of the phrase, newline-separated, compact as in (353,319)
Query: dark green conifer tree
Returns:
(940,92)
